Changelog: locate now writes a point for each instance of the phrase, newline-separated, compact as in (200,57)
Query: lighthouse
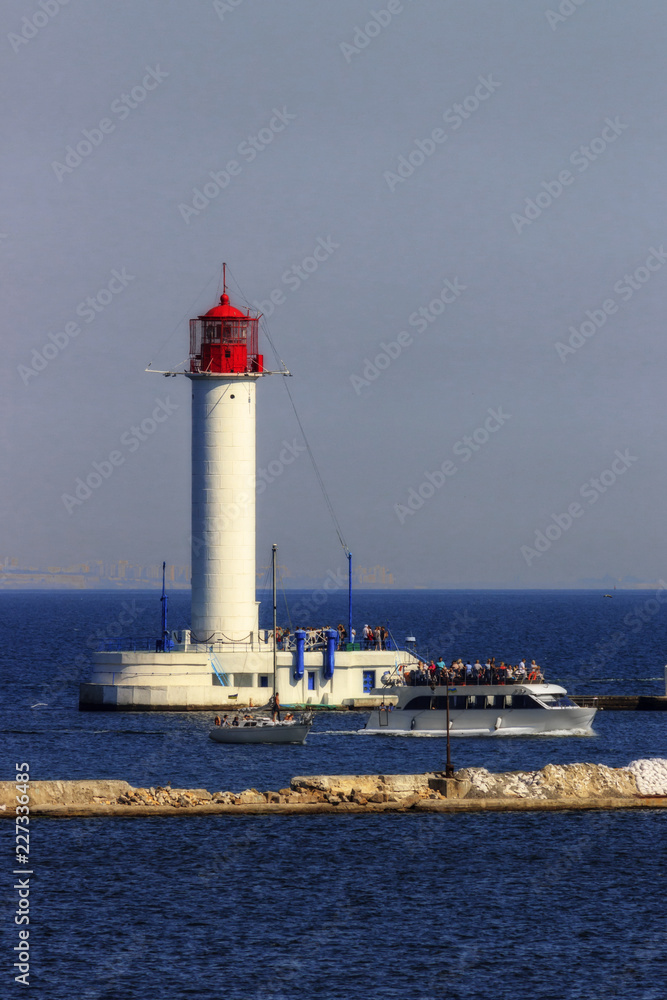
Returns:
(224,660)
(225,366)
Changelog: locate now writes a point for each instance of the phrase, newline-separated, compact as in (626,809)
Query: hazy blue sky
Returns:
(499,166)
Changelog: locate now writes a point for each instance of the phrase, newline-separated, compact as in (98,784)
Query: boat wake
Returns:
(507,733)
(337,732)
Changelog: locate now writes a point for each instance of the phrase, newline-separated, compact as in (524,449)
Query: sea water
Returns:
(540,905)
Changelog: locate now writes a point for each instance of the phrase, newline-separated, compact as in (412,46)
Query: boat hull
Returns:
(524,710)
(260,734)
(518,722)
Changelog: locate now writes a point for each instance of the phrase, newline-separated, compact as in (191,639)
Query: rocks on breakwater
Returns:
(573,785)
(555,781)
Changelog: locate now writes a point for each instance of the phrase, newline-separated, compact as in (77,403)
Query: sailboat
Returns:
(250,728)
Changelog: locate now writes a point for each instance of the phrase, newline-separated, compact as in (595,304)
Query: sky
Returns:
(459,210)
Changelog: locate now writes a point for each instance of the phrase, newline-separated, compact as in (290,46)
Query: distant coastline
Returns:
(123,575)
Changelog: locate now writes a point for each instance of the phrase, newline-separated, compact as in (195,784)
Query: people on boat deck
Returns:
(235,720)
(375,638)
(225,720)
(274,705)
(437,673)
(217,721)
(342,635)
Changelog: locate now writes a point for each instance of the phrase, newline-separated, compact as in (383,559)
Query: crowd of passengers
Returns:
(490,672)
(371,638)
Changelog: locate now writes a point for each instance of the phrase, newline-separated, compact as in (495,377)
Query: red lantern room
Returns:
(225,341)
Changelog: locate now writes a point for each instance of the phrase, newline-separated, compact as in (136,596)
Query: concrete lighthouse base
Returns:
(197,680)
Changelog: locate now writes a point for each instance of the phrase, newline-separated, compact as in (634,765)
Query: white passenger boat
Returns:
(261,729)
(479,710)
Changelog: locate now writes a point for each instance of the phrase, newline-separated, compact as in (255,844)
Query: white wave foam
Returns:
(333,732)
(496,733)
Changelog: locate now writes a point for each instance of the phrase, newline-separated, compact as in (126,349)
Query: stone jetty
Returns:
(643,784)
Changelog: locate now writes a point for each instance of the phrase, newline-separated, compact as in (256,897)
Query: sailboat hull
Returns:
(281,733)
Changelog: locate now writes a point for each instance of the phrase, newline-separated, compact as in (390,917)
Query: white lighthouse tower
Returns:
(224,369)
(224,659)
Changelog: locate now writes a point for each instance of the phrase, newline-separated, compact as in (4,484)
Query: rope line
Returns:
(318,475)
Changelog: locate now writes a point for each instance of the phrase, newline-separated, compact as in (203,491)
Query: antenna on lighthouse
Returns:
(224,278)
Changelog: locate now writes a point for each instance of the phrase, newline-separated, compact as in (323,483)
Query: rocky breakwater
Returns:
(570,786)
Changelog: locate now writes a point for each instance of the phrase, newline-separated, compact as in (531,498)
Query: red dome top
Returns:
(225,309)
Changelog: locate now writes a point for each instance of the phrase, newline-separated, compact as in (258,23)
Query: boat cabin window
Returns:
(557,701)
(423,701)
(523,701)
(477,701)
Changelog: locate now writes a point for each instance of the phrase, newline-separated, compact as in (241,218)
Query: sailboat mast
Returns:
(163,600)
(349,597)
(275,609)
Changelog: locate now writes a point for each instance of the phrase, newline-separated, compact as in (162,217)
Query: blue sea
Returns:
(566,905)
